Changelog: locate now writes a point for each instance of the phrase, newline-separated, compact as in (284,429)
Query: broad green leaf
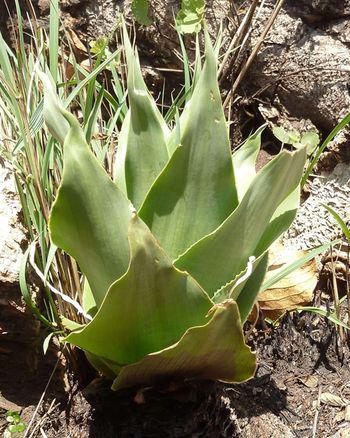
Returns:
(311,140)
(103,366)
(244,160)
(246,292)
(90,216)
(248,295)
(221,255)
(143,143)
(69,324)
(140,11)
(215,350)
(281,134)
(280,222)
(190,17)
(233,289)
(196,191)
(54,119)
(88,302)
(147,309)
(119,165)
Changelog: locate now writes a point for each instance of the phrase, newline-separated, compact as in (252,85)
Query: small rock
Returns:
(11,230)
(342,433)
(313,225)
(265,426)
(306,69)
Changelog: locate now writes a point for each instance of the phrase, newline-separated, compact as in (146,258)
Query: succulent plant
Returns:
(174,247)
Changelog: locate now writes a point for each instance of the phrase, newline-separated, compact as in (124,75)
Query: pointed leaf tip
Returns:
(221,255)
(196,190)
(54,119)
(142,147)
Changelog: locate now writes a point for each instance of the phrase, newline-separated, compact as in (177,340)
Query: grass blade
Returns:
(326,313)
(339,220)
(297,264)
(53,42)
(323,146)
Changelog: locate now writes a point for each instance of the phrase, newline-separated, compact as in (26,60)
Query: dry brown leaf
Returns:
(139,398)
(330,399)
(347,413)
(69,69)
(254,315)
(309,381)
(76,41)
(295,290)
(342,433)
(340,416)
(86,64)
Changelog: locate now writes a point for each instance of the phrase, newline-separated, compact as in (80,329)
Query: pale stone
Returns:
(11,231)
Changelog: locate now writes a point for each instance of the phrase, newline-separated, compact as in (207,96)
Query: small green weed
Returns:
(15,424)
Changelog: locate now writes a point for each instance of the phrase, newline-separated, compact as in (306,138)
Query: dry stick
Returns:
(236,39)
(247,32)
(317,413)
(255,51)
(75,274)
(262,4)
(42,420)
(347,287)
(33,156)
(43,434)
(43,395)
(234,7)
(336,297)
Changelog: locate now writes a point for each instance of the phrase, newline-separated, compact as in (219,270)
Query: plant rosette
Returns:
(174,247)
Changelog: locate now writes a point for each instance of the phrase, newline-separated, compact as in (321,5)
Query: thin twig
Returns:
(317,412)
(237,38)
(347,287)
(255,51)
(42,420)
(62,295)
(336,297)
(43,394)
(43,434)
